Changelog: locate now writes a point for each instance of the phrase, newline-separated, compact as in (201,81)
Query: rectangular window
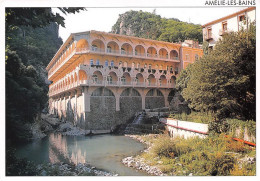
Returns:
(224,26)
(242,18)
(209,33)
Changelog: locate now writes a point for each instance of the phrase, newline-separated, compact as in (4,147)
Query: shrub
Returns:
(244,170)
(222,164)
(236,146)
(164,147)
(198,117)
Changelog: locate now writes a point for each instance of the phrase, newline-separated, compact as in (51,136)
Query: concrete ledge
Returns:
(185,128)
(100,131)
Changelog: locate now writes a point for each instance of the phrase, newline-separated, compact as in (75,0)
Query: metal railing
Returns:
(152,55)
(111,83)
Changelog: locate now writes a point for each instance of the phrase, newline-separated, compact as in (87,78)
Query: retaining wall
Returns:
(185,129)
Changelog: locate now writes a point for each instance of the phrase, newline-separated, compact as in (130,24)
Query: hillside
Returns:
(152,26)
(28,52)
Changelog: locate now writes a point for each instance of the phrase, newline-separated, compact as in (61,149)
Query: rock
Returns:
(36,131)
(43,173)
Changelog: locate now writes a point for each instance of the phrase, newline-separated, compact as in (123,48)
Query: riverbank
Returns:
(64,169)
(214,155)
(138,162)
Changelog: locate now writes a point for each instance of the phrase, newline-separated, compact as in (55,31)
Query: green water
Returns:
(101,151)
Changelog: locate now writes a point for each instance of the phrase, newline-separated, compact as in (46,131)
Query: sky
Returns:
(102,19)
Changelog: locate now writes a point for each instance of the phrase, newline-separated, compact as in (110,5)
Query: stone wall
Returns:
(128,107)
(154,102)
(102,113)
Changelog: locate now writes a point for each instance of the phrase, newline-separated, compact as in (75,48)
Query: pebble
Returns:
(67,169)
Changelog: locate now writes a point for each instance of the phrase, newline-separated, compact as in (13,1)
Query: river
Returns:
(101,151)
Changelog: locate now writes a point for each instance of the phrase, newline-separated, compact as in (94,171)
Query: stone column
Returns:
(119,83)
(166,101)
(59,110)
(117,102)
(65,106)
(86,100)
(143,101)
(105,81)
(76,100)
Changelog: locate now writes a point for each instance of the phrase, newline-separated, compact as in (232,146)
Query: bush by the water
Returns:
(214,155)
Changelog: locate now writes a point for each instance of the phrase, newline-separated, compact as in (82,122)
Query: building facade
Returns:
(214,30)
(100,80)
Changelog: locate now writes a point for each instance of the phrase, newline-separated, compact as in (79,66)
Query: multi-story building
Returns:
(214,30)
(100,79)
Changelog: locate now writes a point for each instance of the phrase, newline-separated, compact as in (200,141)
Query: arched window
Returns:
(150,66)
(123,51)
(91,62)
(138,65)
(112,63)
(97,62)
(123,80)
(109,79)
(106,63)
(133,65)
(109,49)
(120,64)
(94,48)
(95,78)
(149,81)
(137,80)
(167,68)
(145,65)
(156,66)
(171,69)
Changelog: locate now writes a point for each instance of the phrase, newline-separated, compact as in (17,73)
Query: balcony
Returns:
(101,82)
(94,50)
(208,36)
(108,84)
(222,32)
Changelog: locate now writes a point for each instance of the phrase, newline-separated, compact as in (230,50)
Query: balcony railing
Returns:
(109,51)
(208,36)
(152,55)
(175,58)
(222,32)
(163,56)
(95,49)
(139,54)
(109,83)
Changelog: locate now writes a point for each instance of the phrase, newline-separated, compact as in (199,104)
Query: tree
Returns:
(223,82)
(31,41)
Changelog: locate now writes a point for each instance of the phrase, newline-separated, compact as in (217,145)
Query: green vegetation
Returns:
(31,41)
(152,26)
(223,81)
(214,155)
(196,117)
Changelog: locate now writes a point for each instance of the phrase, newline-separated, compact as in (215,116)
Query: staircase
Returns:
(138,119)
(138,126)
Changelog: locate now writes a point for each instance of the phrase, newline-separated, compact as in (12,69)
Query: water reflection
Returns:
(103,151)
(58,151)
